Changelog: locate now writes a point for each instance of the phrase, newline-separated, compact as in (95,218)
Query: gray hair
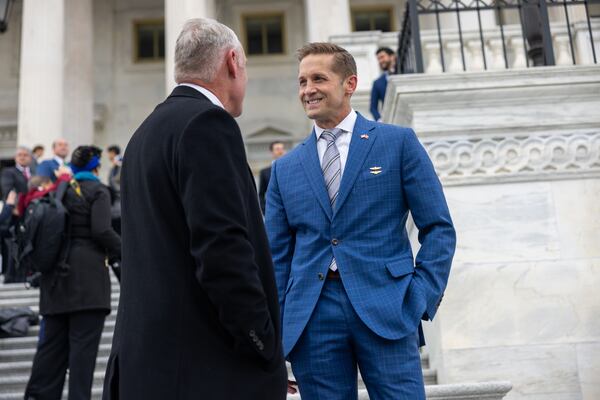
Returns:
(200,47)
(23,148)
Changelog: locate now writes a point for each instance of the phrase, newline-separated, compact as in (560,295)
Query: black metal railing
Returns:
(532,14)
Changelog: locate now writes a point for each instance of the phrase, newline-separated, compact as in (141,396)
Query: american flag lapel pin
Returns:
(364,136)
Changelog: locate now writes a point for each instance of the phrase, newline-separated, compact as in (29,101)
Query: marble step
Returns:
(30,341)
(34,331)
(34,304)
(466,391)
(24,293)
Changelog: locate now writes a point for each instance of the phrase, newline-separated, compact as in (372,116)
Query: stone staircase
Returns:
(16,355)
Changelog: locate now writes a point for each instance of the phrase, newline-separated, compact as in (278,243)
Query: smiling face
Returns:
(385,60)
(324,94)
(61,148)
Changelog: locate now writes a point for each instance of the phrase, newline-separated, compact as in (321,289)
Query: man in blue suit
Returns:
(350,293)
(385,58)
(60,148)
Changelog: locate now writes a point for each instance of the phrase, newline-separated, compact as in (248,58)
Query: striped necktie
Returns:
(331,165)
(332,171)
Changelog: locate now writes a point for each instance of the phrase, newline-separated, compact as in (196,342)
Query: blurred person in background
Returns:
(75,304)
(277,150)
(60,148)
(13,179)
(16,177)
(37,152)
(114,185)
(387,62)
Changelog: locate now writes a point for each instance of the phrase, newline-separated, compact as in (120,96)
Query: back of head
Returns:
(114,149)
(85,158)
(343,62)
(36,181)
(200,48)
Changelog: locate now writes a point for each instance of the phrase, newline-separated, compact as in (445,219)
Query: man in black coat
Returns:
(16,177)
(277,150)
(13,178)
(198,316)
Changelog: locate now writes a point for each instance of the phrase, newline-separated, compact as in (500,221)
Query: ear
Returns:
(350,84)
(231,59)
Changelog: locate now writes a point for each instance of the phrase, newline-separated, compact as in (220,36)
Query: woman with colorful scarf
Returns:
(74,304)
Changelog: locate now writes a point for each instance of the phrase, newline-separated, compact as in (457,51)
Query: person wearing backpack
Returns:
(74,302)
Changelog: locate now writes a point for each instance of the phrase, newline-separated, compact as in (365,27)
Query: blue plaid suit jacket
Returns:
(389,290)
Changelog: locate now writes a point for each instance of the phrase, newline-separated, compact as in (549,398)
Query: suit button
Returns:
(335,242)
(321,276)
(252,333)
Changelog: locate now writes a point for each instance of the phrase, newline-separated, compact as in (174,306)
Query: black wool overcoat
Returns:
(198,315)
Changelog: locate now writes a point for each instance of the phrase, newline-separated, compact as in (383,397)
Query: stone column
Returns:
(176,13)
(56,73)
(326,18)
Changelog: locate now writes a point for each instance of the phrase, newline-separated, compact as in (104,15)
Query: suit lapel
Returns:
(314,174)
(359,148)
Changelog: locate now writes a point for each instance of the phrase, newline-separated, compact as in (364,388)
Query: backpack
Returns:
(41,237)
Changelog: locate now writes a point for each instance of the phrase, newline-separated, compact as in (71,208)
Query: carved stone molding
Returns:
(8,136)
(515,158)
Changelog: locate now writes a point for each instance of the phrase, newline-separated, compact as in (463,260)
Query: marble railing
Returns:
(528,124)
(513,42)
(515,157)
(362,45)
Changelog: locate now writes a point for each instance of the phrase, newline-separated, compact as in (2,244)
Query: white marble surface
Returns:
(577,210)
(537,372)
(474,101)
(526,221)
(504,223)
(588,363)
(521,304)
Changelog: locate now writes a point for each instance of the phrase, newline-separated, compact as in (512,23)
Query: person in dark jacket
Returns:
(13,178)
(198,312)
(386,60)
(114,185)
(277,150)
(75,302)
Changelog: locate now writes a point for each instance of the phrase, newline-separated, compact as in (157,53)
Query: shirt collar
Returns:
(210,95)
(60,161)
(20,167)
(347,124)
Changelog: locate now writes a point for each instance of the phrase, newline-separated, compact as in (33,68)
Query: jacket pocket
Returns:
(401,267)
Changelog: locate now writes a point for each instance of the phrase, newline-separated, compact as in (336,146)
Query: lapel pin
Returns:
(365,136)
(375,170)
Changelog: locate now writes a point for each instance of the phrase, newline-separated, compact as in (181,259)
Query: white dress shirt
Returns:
(342,142)
(210,95)
(60,161)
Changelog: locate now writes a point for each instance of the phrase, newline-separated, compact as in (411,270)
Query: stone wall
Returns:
(519,155)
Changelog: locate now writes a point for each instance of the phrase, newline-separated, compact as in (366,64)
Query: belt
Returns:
(333,274)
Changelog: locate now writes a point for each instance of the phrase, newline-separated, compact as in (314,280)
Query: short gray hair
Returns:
(22,148)
(200,47)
